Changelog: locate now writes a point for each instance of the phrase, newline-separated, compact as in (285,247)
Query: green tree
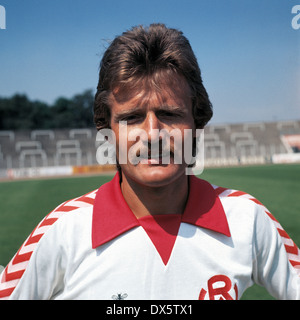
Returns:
(18,112)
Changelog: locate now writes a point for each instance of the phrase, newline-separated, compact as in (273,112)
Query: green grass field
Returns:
(24,203)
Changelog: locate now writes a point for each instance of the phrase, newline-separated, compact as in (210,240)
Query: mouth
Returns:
(157,159)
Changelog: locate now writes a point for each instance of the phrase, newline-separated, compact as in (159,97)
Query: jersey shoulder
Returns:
(224,193)
(70,206)
(248,199)
(293,252)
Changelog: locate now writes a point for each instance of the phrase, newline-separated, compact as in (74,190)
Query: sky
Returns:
(247,50)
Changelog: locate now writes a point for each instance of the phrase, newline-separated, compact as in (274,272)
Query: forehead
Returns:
(153,93)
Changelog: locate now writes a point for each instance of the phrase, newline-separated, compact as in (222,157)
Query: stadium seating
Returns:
(247,143)
(225,144)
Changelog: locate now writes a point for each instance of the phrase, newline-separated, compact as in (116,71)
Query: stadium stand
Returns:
(250,143)
(225,145)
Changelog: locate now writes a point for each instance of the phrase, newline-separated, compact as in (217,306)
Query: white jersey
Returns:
(93,247)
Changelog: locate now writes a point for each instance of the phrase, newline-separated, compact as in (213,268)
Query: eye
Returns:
(168,114)
(132,118)
(165,114)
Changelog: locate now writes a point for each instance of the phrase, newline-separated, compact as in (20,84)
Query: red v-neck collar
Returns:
(112,215)
(162,229)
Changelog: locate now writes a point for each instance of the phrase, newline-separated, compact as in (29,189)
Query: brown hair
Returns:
(145,53)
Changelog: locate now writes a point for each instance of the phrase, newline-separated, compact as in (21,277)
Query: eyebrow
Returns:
(171,108)
(123,113)
(138,110)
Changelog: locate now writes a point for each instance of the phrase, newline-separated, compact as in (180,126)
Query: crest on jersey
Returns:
(120,296)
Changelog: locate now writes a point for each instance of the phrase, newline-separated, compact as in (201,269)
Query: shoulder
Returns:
(243,206)
(244,203)
(68,209)
(71,209)
(240,206)
(240,199)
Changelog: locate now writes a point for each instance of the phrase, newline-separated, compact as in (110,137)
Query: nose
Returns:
(152,126)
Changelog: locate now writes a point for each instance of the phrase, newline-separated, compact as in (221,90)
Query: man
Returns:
(154,232)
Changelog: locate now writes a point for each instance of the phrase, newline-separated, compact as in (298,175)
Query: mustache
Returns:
(147,150)
(163,146)
(155,150)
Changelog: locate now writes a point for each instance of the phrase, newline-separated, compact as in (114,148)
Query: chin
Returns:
(155,175)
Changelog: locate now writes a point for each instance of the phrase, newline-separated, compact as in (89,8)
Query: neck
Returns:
(145,200)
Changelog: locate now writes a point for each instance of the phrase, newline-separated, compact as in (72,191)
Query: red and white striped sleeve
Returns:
(276,258)
(12,275)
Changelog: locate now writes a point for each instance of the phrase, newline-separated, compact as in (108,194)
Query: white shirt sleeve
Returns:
(276,258)
(44,272)
(37,270)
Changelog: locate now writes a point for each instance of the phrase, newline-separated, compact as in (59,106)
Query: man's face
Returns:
(151,112)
